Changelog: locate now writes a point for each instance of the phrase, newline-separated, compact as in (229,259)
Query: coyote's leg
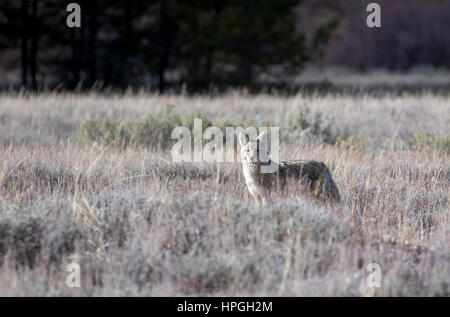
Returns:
(260,200)
(264,199)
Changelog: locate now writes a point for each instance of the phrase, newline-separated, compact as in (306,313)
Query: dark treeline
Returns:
(204,44)
(157,44)
(413,33)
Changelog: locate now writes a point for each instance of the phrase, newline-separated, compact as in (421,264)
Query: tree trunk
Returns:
(24,42)
(33,52)
(93,26)
(164,43)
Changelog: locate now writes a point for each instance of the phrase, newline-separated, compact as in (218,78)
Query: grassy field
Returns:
(87,178)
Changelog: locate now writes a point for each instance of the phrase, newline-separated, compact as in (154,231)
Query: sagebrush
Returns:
(89,179)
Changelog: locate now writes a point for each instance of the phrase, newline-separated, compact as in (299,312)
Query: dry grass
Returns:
(139,225)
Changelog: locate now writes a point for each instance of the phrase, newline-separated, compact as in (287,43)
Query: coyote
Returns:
(309,174)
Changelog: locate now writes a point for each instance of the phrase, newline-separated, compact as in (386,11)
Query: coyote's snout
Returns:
(307,174)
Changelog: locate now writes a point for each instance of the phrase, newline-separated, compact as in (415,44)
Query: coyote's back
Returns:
(312,174)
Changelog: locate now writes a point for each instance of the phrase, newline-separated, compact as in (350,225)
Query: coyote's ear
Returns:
(261,136)
(243,138)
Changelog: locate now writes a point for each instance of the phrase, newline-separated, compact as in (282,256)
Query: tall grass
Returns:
(140,225)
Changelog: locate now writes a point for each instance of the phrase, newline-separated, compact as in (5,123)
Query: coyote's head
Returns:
(255,151)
